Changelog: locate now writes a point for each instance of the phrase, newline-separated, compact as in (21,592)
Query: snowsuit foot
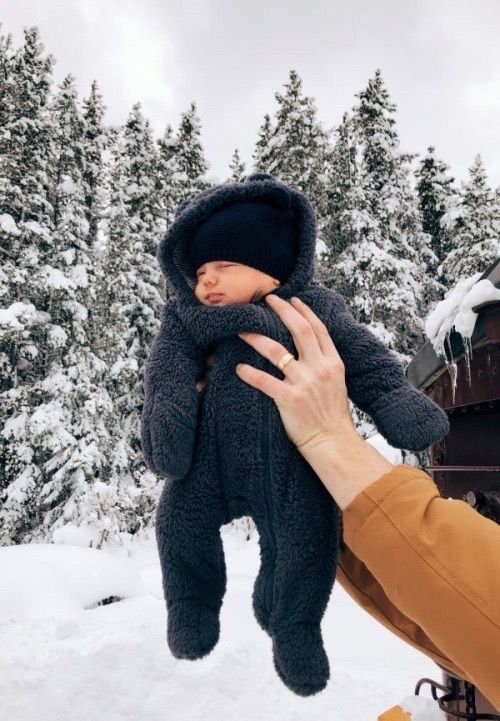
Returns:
(192,629)
(300,659)
(193,557)
(297,572)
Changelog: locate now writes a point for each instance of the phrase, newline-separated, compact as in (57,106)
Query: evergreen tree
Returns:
(136,488)
(133,302)
(191,166)
(385,262)
(65,427)
(474,228)
(237,168)
(170,190)
(297,148)
(25,138)
(435,192)
(26,335)
(261,154)
(187,168)
(96,143)
(8,227)
(6,88)
(25,159)
(343,185)
(139,160)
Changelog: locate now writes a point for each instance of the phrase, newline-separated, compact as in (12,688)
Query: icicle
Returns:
(452,368)
(450,365)
(467,344)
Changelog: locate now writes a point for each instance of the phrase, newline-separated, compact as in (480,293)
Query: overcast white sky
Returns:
(440,60)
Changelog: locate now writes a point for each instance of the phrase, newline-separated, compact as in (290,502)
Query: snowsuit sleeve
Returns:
(170,411)
(428,569)
(376,383)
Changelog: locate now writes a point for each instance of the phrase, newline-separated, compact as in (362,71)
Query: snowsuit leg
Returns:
(190,513)
(305,529)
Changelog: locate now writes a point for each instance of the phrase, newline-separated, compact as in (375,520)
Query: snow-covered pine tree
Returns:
(6,54)
(262,150)
(436,193)
(385,271)
(76,492)
(65,422)
(497,207)
(7,223)
(25,131)
(237,168)
(96,143)
(25,156)
(169,190)
(191,164)
(114,292)
(26,332)
(188,168)
(474,228)
(134,301)
(97,139)
(345,207)
(297,147)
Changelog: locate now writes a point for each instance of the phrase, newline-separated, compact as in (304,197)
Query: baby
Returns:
(225,452)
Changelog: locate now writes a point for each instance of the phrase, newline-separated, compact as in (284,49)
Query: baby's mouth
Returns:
(214,297)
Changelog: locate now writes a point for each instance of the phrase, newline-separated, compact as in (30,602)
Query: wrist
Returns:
(345,463)
(337,438)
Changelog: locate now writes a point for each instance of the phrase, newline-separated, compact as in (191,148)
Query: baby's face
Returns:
(230,282)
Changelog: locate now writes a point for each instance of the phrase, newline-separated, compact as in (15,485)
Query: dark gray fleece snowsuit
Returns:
(225,452)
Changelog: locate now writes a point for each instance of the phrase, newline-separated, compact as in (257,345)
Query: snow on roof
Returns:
(455,311)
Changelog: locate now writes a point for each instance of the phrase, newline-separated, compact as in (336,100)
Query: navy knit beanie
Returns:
(258,233)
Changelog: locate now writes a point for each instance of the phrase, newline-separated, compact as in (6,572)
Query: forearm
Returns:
(346,464)
(415,555)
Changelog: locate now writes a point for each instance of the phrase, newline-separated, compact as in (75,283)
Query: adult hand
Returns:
(312,397)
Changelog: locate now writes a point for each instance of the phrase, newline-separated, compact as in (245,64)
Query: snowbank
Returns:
(113,662)
(67,579)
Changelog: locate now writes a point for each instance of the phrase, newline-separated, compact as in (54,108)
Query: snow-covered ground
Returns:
(63,657)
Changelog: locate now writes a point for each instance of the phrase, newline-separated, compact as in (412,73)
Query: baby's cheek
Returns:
(197,293)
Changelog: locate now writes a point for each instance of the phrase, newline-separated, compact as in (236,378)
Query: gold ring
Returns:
(284,360)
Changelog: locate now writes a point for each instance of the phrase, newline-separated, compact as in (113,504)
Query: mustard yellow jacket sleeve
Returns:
(428,569)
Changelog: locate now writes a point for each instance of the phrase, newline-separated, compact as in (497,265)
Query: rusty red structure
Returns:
(466,464)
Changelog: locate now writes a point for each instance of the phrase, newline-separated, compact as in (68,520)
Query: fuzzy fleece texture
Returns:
(225,454)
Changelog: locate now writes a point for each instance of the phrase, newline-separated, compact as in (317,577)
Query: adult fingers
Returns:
(268,384)
(324,339)
(302,332)
(272,350)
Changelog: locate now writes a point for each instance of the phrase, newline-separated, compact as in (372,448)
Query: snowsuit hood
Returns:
(173,253)
(193,211)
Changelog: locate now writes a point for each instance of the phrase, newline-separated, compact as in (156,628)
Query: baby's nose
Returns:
(209,278)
